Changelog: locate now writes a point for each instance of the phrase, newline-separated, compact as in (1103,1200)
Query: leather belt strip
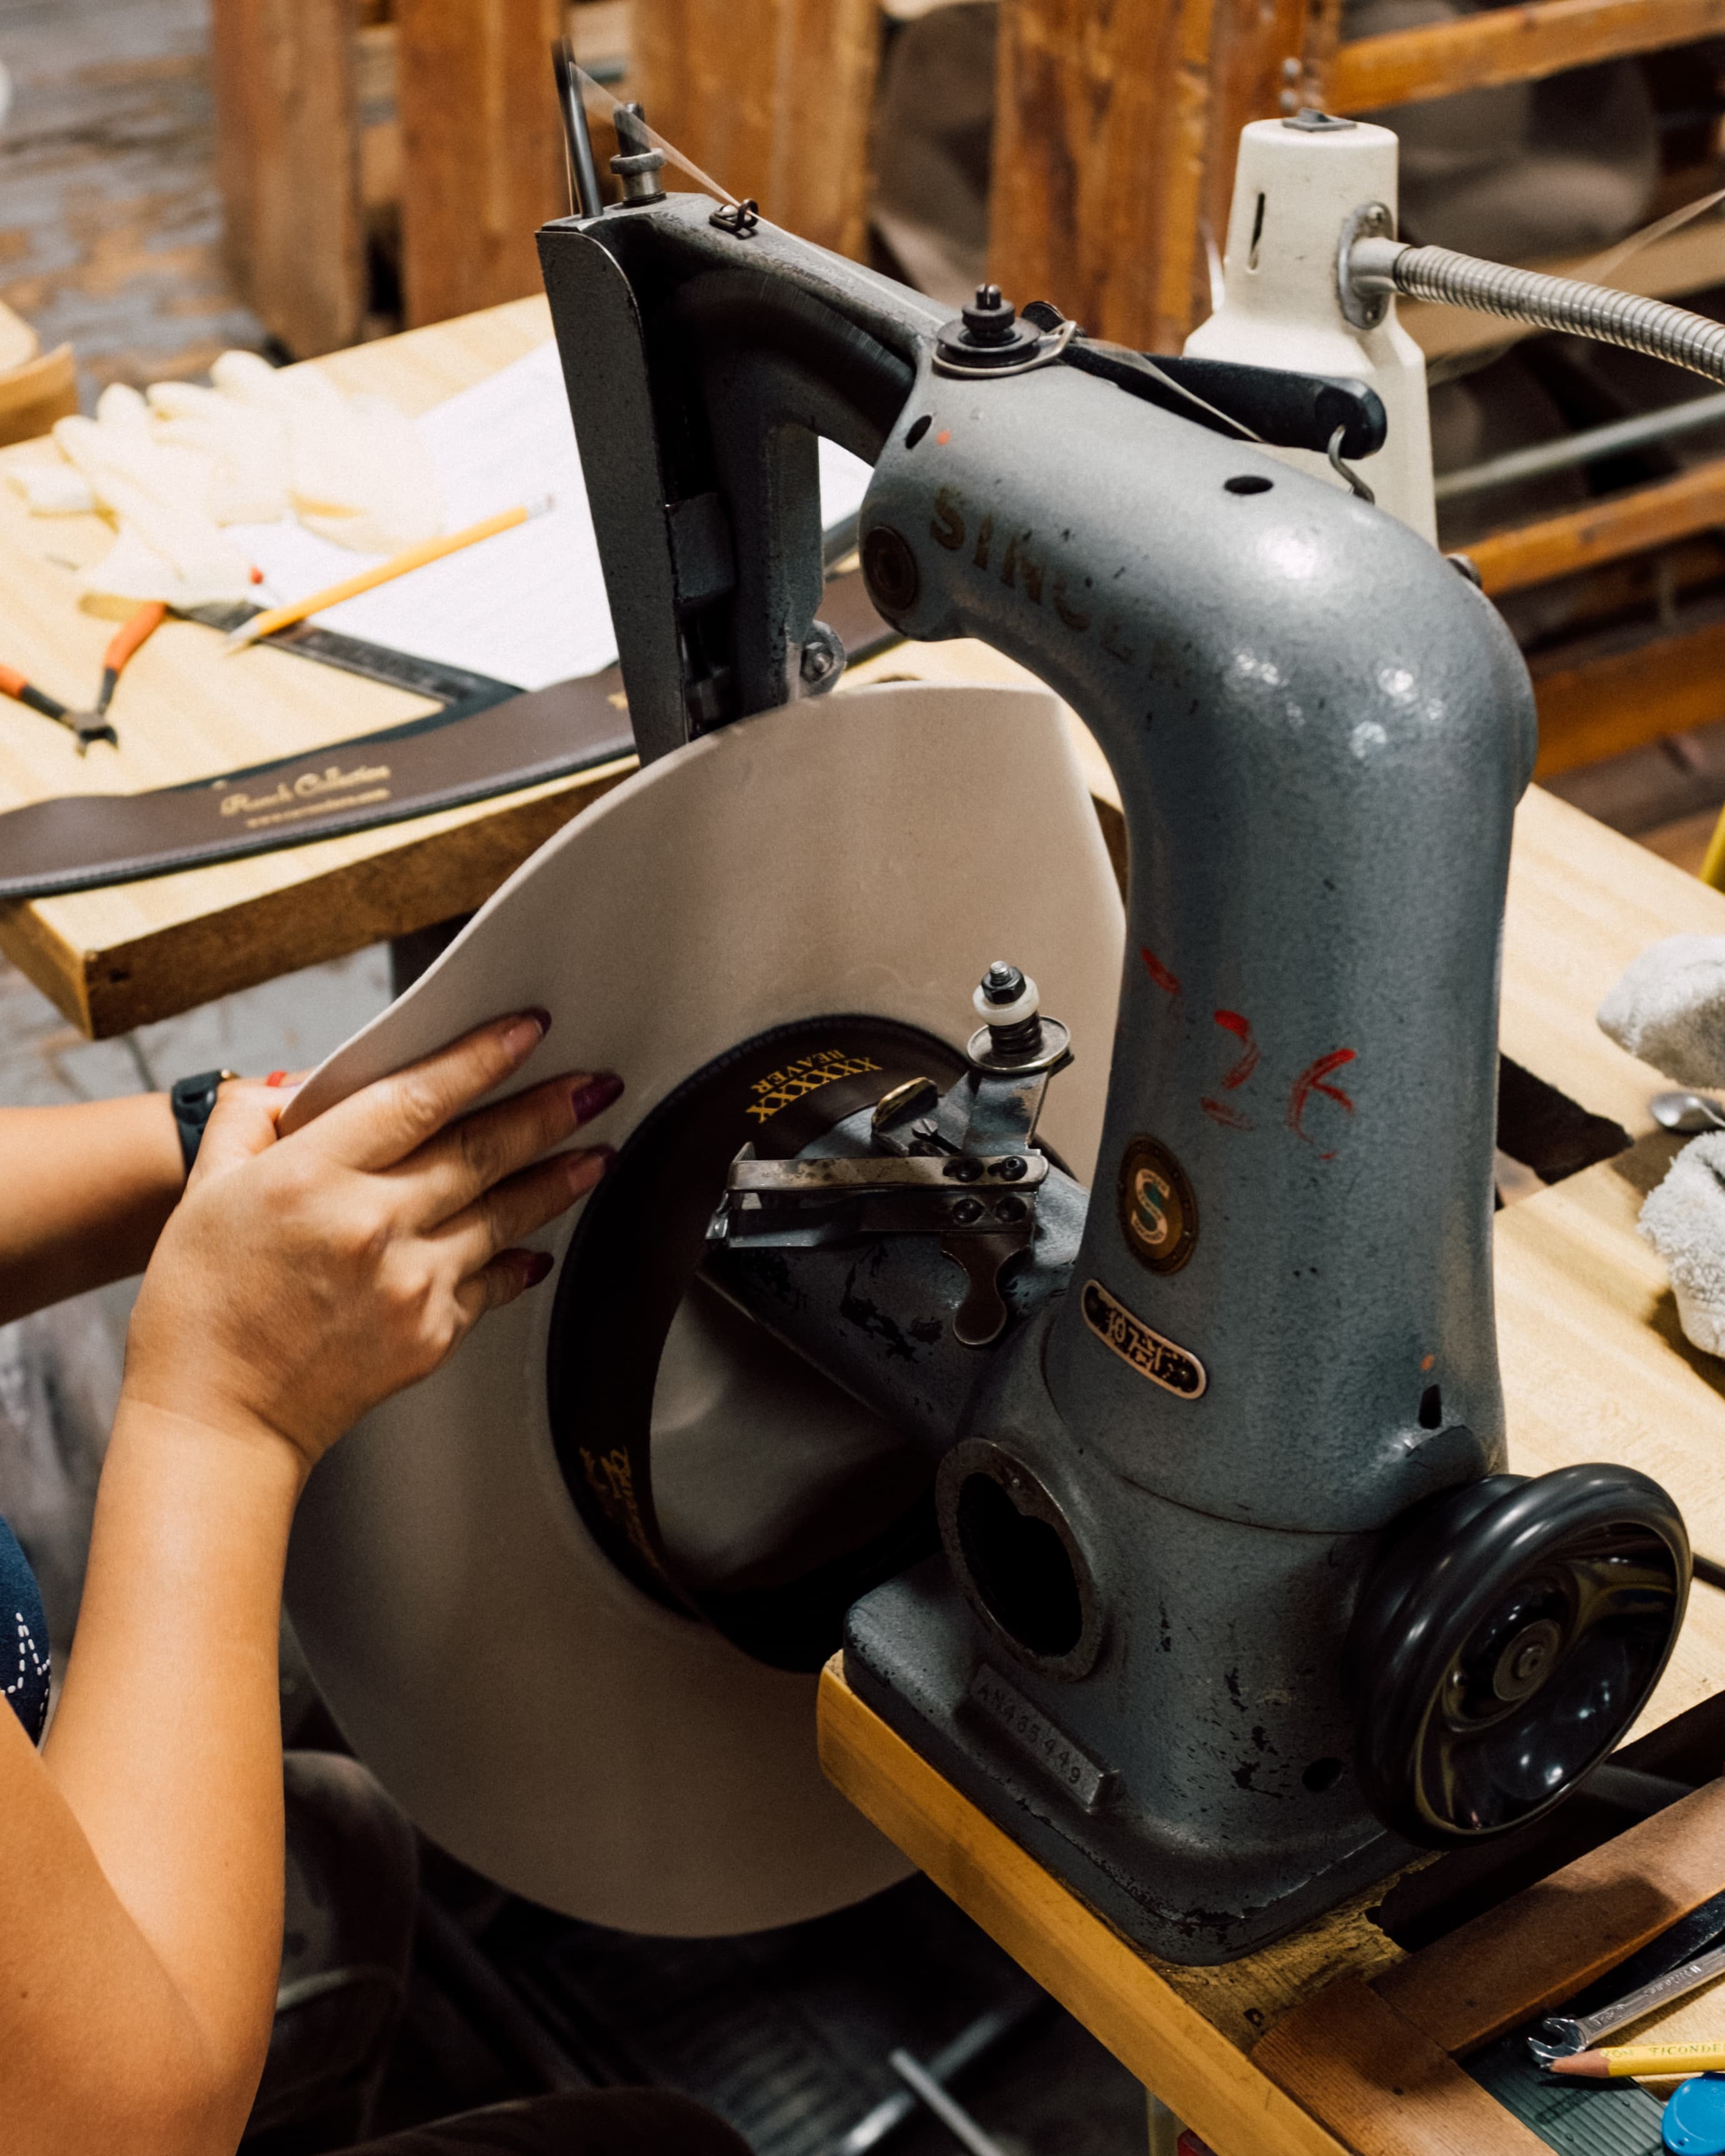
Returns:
(77,841)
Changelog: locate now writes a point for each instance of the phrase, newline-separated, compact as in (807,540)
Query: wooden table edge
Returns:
(1057,1938)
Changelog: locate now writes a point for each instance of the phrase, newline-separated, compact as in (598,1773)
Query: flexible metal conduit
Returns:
(1549,303)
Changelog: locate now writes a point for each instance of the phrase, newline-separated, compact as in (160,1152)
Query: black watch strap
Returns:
(192,1099)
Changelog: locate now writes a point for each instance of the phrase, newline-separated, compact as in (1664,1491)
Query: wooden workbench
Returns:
(122,956)
(1335,2039)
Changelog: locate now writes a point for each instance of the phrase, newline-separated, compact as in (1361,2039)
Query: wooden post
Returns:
(1101,125)
(288,166)
(772,97)
(482,150)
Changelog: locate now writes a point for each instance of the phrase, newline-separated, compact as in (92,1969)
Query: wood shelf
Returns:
(1509,45)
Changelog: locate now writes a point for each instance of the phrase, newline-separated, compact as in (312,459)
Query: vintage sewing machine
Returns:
(1206,1581)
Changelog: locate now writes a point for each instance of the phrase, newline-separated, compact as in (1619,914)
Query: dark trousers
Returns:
(610,2122)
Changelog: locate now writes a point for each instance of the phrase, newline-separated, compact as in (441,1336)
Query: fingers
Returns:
(510,1273)
(383,1123)
(460,1164)
(519,1207)
(241,1125)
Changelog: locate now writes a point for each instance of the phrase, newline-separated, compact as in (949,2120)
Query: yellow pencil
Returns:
(397,565)
(1618,2060)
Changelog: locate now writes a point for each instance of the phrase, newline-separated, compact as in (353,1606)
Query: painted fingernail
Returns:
(595,1097)
(538,1012)
(582,1165)
(539,1268)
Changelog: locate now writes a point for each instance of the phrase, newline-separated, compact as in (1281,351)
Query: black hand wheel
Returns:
(1509,1637)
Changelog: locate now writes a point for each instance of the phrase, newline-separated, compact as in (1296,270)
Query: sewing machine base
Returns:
(916,1656)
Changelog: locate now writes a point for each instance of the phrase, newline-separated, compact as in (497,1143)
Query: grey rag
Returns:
(1684,1220)
(1669,1009)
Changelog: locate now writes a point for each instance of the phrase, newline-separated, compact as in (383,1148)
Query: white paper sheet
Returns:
(529,605)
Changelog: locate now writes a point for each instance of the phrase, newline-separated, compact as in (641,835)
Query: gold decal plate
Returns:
(1173,1368)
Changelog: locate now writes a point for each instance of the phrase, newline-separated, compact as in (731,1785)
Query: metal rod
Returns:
(966,2048)
(465,1973)
(1584,449)
(583,172)
(952,2114)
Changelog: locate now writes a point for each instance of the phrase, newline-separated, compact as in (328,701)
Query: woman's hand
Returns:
(304,1279)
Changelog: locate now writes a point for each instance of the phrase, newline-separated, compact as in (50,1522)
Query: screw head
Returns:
(1011,1209)
(1013,1170)
(967,1212)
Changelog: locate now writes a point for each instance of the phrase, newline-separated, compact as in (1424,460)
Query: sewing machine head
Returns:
(1181,1541)
(1165,1641)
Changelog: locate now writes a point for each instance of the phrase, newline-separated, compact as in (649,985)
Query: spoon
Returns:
(1687,1112)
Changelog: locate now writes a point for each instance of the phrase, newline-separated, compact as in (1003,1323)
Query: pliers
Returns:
(90,725)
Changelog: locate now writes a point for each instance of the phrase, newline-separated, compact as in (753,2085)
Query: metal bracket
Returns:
(1372,220)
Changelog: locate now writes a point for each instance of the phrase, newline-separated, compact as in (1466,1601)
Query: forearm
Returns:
(166,1744)
(87,1191)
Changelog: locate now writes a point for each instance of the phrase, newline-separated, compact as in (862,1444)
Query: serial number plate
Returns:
(1031,1733)
(1162,1360)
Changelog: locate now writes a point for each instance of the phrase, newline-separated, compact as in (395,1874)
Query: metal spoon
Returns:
(1687,1112)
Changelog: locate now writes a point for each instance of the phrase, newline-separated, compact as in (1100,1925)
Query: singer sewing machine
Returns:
(1233,1601)
(1167,1517)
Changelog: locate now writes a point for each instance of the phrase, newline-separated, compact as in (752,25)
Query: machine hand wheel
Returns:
(1510,1634)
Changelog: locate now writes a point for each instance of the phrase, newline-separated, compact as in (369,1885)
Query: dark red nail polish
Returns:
(539,1267)
(595,1097)
(607,1153)
(542,1015)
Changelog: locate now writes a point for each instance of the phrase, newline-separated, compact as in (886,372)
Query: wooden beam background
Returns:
(482,150)
(288,166)
(1509,45)
(773,98)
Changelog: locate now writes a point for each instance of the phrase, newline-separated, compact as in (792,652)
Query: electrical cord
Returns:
(1551,303)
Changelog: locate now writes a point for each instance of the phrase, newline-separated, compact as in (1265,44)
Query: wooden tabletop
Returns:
(1595,1368)
(132,953)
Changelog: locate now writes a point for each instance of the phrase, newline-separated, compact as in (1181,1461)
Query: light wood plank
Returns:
(33,396)
(1511,559)
(1123,1997)
(1509,45)
(123,955)
(1101,131)
(483,163)
(1583,901)
(1546,1943)
(1383,2084)
(287,161)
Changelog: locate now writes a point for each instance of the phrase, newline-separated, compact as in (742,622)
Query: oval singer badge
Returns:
(1158,1214)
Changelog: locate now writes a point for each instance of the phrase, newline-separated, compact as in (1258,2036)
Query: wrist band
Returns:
(192,1099)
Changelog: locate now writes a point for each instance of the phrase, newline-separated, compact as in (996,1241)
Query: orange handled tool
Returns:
(88,726)
(130,637)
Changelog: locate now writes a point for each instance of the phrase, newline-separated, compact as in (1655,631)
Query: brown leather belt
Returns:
(491,740)
(79,840)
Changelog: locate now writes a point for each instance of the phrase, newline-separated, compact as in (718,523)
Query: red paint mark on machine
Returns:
(1241,1028)
(1158,972)
(1311,1080)
(1222,1111)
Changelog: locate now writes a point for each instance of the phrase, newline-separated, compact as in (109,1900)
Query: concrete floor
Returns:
(110,220)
